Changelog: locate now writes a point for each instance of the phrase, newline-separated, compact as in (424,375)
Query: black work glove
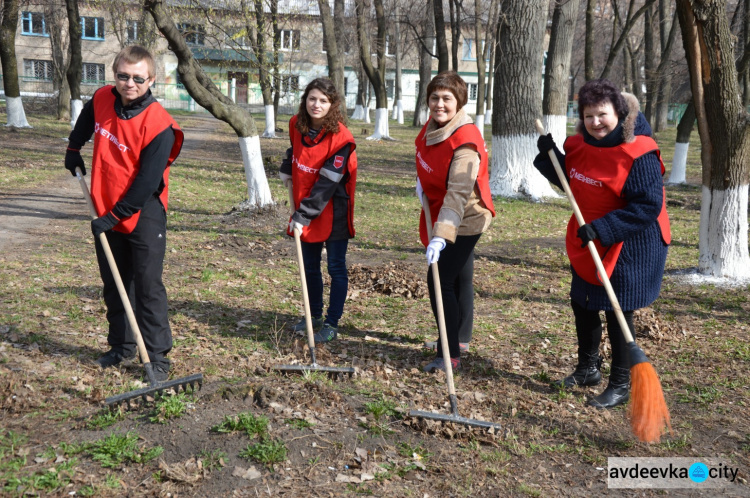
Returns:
(545,143)
(74,160)
(103,223)
(587,233)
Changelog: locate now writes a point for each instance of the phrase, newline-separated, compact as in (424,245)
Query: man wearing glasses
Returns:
(135,142)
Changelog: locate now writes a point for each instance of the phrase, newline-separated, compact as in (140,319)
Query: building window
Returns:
(32,23)
(473,91)
(468,47)
(195,34)
(289,83)
(133,28)
(41,70)
(290,39)
(346,86)
(389,88)
(92,28)
(237,38)
(93,73)
(390,46)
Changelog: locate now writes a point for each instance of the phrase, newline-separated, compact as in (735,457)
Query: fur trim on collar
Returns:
(435,135)
(628,124)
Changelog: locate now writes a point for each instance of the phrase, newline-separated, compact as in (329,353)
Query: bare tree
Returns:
(375,76)
(56,18)
(631,18)
(517,102)
(556,75)
(682,144)
(398,105)
(203,90)
(589,43)
(484,28)
(425,35)
(334,51)
(74,72)
(441,42)
(725,138)
(16,116)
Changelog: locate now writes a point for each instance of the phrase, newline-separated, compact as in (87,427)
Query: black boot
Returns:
(586,373)
(617,392)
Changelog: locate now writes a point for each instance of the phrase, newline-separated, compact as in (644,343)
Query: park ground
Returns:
(233,286)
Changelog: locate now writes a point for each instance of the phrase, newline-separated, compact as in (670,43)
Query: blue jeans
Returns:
(311,255)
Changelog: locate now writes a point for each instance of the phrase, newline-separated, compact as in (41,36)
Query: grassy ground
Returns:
(233,287)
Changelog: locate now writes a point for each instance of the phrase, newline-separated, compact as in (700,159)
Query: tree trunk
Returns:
(682,143)
(257,26)
(442,43)
(55,17)
(556,76)
(666,37)
(75,65)
(202,89)
(421,112)
(339,16)
(333,51)
(630,20)
(14,105)
(375,76)
(455,20)
(725,138)
(517,103)
(649,64)
(491,76)
(588,58)
(484,41)
(398,105)
(362,107)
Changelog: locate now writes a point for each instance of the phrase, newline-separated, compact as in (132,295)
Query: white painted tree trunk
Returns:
(75,110)
(258,192)
(359,113)
(679,163)
(558,126)
(479,121)
(722,242)
(512,171)
(366,110)
(16,115)
(270,131)
(381,125)
(488,117)
(424,115)
(398,112)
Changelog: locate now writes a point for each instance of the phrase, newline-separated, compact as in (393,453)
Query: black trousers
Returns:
(589,332)
(456,270)
(140,260)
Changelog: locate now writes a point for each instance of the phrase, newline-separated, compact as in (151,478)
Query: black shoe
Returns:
(161,372)
(326,334)
(112,358)
(586,373)
(301,327)
(617,392)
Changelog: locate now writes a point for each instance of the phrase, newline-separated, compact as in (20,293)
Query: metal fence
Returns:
(173,96)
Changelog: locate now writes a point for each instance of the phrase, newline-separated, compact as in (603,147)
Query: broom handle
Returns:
(303,281)
(439,305)
(592,248)
(115,274)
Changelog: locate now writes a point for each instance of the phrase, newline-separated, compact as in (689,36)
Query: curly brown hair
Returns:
(332,119)
(601,91)
(451,81)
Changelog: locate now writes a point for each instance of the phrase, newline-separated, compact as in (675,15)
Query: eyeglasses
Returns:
(136,79)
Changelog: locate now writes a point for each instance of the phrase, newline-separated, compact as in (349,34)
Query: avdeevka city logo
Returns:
(698,472)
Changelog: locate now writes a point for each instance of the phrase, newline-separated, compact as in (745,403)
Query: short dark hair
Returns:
(601,91)
(332,119)
(451,81)
(133,55)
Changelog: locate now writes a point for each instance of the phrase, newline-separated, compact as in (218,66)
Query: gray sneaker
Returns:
(301,327)
(326,334)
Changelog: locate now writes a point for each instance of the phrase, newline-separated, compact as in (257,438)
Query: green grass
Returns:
(117,449)
(247,422)
(267,451)
(169,407)
(104,419)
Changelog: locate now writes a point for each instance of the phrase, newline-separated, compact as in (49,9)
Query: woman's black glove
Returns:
(73,160)
(587,233)
(103,224)
(545,143)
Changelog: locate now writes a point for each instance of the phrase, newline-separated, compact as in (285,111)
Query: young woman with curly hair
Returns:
(321,168)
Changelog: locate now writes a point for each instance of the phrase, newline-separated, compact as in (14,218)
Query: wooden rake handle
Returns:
(439,305)
(303,282)
(115,274)
(592,248)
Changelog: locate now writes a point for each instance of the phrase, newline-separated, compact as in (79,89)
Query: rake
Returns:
(649,415)
(313,367)
(155,387)
(453,416)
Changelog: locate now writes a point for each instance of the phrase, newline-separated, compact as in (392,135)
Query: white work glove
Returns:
(420,192)
(295,224)
(436,245)
(286,179)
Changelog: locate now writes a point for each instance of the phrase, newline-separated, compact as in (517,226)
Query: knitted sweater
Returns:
(637,276)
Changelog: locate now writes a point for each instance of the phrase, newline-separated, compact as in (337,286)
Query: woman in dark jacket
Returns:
(615,172)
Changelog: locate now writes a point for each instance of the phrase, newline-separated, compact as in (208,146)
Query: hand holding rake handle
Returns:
(303,281)
(120,286)
(649,415)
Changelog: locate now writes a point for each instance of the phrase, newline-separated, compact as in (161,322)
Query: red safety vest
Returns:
(118,144)
(597,176)
(306,164)
(434,163)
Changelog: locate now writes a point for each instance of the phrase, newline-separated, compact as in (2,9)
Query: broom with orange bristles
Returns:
(648,412)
